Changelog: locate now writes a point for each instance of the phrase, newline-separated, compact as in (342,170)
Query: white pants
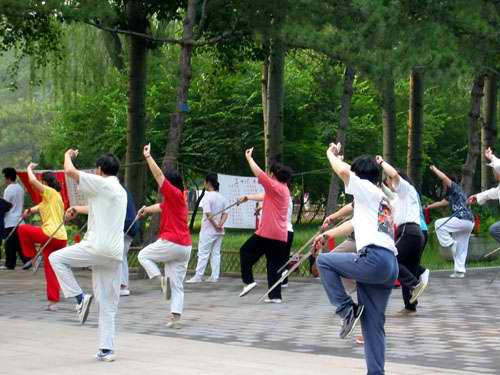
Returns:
(126,247)
(105,280)
(176,258)
(456,231)
(209,246)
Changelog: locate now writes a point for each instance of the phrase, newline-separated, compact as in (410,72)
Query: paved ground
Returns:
(458,328)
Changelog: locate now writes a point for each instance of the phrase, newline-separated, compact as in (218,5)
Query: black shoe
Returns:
(351,320)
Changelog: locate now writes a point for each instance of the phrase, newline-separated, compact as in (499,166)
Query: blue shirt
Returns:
(130,215)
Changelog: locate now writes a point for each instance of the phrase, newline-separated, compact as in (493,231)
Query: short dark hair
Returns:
(174,178)
(212,179)
(51,180)
(366,168)
(9,173)
(109,164)
(281,172)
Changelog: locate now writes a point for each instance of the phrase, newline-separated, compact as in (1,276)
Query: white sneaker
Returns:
(84,308)
(457,275)
(52,307)
(273,300)
(212,280)
(417,291)
(124,292)
(174,322)
(424,277)
(195,279)
(247,288)
(284,285)
(105,357)
(3,268)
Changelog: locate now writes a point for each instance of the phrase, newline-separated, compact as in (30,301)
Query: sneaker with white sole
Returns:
(417,291)
(105,357)
(52,307)
(212,280)
(350,321)
(84,308)
(272,300)
(284,285)
(424,277)
(124,292)
(247,288)
(457,275)
(174,322)
(195,279)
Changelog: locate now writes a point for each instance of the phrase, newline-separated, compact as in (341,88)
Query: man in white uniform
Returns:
(212,231)
(101,249)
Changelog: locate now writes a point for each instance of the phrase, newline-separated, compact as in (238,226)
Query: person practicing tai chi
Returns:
(130,229)
(14,194)
(454,231)
(490,194)
(374,267)
(212,231)
(410,240)
(173,247)
(52,233)
(271,236)
(101,248)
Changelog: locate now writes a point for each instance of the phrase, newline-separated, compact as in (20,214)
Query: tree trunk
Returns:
(114,48)
(345,108)
(178,118)
(489,127)
(136,126)
(415,127)
(265,106)
(389,119)
(275,100)
(474,147)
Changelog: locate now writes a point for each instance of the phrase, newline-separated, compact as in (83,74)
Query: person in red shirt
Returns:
(271,236)
(173,247)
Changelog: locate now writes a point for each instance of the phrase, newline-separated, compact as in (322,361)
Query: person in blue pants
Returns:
(374,267)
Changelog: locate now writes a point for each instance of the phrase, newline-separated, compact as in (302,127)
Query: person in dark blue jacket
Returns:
(5,206)
(128,238)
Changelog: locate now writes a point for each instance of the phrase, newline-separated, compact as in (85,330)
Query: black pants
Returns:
(410,245)
(250,253)
(12,248)
(422,269)
(288,251)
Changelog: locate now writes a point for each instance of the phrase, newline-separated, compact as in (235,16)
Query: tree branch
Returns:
(214,40)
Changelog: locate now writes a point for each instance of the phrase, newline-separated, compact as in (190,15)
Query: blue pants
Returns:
(375,270)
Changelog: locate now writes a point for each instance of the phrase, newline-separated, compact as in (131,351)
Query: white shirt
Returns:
(372,218)
(490,194)
(211,203)
(14,194)
(107,202)
(406,204)
(289,224)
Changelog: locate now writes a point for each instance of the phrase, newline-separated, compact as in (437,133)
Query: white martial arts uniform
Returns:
(101,249)
(210,242)
(176,258)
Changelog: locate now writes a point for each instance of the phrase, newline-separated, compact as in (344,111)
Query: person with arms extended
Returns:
(101,248)
(374,267)
(52,233)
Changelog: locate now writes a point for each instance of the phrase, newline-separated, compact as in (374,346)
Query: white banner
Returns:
(74,196)
(233,187)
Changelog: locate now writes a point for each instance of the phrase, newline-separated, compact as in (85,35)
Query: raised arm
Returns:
(251,197)
(343,212)
(69,167)
(153,167)
(153,209)
(447,181)
(342,230)
(340,168)
(256,170)
(389,170)
(441,203)
(32,178)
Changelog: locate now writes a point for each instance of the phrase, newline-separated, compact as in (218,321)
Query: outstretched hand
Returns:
(147,150)
(334,148)
(248,153)
(72,153)
(71,213)
(379,159)
(472,199)
(32,165)
(142,212)
(242,199)
(318,244)
(488,154)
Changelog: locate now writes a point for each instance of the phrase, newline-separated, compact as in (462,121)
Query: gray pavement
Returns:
(457,328)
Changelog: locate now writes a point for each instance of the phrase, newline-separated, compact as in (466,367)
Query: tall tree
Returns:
(386,89)
(474,147)
(345,109)
(489,126)
(416,127)
(136,112)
